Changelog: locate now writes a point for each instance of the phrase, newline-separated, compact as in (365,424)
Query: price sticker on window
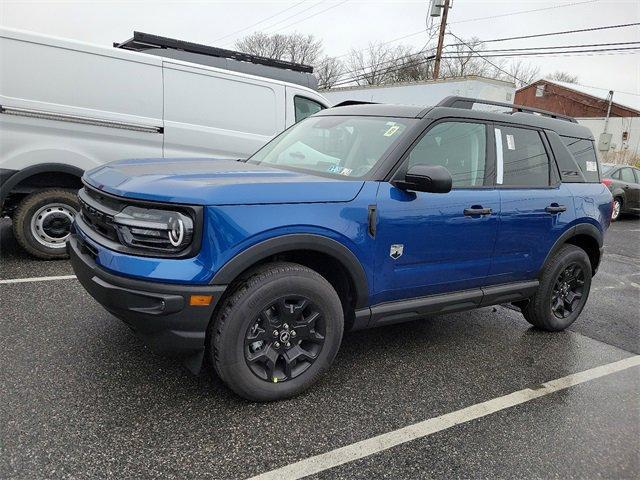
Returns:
(391,130)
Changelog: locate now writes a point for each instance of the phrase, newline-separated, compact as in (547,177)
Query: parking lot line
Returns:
(370,446)
(37,279)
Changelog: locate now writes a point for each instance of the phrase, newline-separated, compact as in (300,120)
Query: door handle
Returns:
(555,208)
(477,211)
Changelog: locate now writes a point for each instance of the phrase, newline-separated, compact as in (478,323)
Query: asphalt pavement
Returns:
(82,397)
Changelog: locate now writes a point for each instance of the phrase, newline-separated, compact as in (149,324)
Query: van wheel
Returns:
(277,333)
(563,291)
(42,220)
(617,208)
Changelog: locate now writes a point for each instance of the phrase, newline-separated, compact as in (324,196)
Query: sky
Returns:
(352,24)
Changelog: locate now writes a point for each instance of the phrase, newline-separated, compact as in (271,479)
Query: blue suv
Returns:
(359,216)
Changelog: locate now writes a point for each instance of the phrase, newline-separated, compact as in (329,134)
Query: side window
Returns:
(521,158)
(305,107)
(585,156)
(460,147)
(637,172)
(616,175)
(626,175)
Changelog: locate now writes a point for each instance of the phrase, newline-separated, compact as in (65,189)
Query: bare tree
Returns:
(409,65)
(328,71)
(563,77)
(294,47)
(522,73)
(462,59)
(371,66)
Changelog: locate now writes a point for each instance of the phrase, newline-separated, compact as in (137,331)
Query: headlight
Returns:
(161,230)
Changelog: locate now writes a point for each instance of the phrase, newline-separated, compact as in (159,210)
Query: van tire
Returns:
(64,206)
(557,273)
(266,290)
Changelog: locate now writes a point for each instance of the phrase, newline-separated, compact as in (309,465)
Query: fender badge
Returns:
(396,251)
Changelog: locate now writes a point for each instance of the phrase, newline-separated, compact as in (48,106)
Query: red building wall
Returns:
(565,101)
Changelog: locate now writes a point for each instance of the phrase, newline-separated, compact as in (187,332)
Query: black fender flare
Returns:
(25,173)
(284,243)
(580,229)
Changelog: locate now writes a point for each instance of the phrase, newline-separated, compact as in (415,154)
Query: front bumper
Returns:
(160,313)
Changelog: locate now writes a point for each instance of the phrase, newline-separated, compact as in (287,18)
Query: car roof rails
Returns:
(347,103)
(468,103)
(220,57)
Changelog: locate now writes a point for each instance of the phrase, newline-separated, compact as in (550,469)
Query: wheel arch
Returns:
(329,257)
(585,236)
(43,175)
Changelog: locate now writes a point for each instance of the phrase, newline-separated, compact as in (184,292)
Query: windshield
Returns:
(340,146)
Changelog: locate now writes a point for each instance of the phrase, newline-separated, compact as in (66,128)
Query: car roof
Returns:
(561,126)
(375,110)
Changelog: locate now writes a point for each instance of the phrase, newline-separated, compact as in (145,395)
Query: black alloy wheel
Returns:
(285,339)
(567,291)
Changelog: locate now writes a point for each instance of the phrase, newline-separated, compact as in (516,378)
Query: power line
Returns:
(420,32)
(558,46)
(310,16)
(261,21)
(296,14)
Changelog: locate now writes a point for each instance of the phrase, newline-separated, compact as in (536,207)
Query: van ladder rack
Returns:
(145,41)
(467,103)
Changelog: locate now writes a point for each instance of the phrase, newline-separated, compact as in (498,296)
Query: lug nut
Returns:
(293,333)
(285,326)
(277,344)
(288,344)
(275,333)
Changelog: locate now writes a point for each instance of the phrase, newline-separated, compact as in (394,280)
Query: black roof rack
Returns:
(147,41)
(464,102)
(346,103)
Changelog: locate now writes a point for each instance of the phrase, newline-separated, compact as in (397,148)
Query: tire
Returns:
(42,220)
(560,268)
(240,333)
(617,209)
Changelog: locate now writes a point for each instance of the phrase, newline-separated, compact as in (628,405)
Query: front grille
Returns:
(97,211)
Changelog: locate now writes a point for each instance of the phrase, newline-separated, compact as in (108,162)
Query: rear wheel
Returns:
(42,221)
(277,333)
(617,208)
(563,291)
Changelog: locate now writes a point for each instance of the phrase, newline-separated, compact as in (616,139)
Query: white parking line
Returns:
(37,279)
(370,446)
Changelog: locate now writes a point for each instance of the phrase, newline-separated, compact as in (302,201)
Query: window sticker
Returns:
(592,166)
(334,169)
(511,143)
(391,130)
(499,157)
(346,172)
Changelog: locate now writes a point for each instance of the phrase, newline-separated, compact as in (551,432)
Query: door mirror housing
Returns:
(426,178)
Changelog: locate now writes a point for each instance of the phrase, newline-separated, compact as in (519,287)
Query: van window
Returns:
(305,107)
(585,156)
(521,157)
(459,147)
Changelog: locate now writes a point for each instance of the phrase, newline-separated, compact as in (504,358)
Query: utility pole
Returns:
(443,26)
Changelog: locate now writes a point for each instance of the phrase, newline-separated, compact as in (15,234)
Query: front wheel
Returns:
(277,333)
(563,291)
(617,209)
(42,221)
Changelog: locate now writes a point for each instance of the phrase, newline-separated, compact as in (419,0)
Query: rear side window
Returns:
(459,147)
(305,107)
(522,160)
(626,175)
(585,155)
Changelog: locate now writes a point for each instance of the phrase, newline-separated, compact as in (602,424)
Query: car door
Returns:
(430,243)
(535,208)
(631,188)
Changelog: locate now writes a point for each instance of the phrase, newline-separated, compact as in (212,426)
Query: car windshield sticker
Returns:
(511,143)
(346,171)
(391,130)
(592,167)
(334,169)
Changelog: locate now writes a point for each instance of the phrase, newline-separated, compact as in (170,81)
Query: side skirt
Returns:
(415,308)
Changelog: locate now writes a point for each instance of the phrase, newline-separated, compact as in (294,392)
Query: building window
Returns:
(540,90)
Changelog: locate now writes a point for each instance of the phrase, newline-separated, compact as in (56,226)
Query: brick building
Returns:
(573,100)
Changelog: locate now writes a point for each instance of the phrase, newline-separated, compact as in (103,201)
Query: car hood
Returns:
(207,181)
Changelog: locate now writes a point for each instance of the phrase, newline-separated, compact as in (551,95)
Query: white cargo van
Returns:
(67,106)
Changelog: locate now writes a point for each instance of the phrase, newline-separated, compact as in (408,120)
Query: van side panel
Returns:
(224,115)
(66,80)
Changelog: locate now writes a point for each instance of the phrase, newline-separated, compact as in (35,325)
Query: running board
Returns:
(415,308)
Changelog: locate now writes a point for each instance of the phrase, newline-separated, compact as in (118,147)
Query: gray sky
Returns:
(351,24)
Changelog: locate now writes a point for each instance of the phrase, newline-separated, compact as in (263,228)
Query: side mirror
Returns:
(426,178)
